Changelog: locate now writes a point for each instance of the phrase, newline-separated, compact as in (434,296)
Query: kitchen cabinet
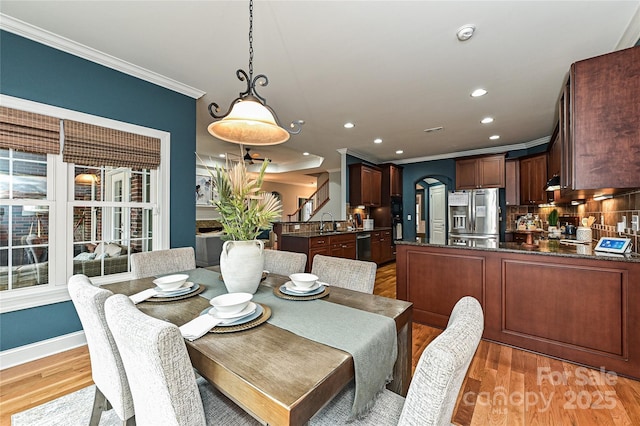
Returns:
(365,185)
(599,123)
(576,309)
(343,246)
(391,182)
(480,172)
(554,164)
(338,245)
(382,246)
(512,182)
(533,179)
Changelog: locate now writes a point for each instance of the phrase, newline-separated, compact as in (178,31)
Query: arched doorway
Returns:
(431,208)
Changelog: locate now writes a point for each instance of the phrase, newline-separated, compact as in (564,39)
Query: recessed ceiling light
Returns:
(349,125)
(305,153)
(487,120)
(399,151)
(222,155)
(465,32)
(478,92)
(494,137)
(433,129)
(377,140)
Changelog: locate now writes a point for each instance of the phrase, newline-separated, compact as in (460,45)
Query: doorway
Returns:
(431,210)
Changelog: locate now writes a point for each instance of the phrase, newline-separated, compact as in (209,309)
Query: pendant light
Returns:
(249,120)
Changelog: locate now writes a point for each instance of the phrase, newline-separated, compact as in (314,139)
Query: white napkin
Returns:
(143,295)
(198,327)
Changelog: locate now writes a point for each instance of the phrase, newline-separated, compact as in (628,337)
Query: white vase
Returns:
(241,265)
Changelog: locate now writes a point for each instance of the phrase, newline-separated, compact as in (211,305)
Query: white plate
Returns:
(251,307)
(292,287)
(244,319)
(186,288)
(286,291)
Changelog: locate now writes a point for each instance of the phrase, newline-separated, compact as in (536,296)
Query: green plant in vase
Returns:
(553,222)
(245,210)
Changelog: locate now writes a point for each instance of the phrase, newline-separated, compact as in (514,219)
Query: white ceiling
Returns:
(394,68)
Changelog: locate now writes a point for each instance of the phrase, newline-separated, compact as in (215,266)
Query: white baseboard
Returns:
(44,348)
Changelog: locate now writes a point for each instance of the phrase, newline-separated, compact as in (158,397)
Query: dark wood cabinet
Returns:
(533,179)
(480,172)
(598,124)
(340,245)
(343,246)
(554,163)
(382,246)
(391,182)
(577,309)
(512,182)
(365,185)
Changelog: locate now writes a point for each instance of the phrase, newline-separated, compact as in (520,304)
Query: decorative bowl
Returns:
(303,280)
(231,303)
(171,282)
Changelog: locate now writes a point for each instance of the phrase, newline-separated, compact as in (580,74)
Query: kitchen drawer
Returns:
(318,242)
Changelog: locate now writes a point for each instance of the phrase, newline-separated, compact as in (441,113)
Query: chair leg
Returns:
(131,421)
(100,404)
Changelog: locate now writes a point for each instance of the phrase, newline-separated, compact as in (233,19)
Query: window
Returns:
(60,218)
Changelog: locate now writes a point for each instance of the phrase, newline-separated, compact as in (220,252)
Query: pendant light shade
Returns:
(249,120)
(251,123)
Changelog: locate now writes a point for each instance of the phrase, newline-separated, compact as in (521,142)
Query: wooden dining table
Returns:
(277,376)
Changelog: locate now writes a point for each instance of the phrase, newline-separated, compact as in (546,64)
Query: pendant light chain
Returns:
(250,40)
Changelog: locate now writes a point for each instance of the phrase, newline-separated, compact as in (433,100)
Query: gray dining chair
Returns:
(284,262)
(107,370)
(435,384)
(163,384)
(356,275)
(158,262)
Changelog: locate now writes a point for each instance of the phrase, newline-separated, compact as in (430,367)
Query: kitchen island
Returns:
(560,300)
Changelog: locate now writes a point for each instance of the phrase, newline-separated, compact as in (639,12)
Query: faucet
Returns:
(333,224)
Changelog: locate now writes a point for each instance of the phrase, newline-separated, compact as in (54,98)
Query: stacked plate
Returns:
(186,288)
(249,313)
(290,289)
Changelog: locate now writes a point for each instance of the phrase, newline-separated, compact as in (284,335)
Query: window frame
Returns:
(60,194)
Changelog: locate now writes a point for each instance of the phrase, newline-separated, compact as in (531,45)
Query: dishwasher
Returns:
(363,246)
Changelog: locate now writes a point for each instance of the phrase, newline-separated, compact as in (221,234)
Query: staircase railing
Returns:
(318,199)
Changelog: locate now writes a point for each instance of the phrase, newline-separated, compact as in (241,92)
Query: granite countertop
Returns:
(327,234)
(544,247)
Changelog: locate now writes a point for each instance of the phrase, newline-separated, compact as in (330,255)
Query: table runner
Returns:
(362,334)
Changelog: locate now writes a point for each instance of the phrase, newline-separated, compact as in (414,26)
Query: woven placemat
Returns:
(199,290)
(278,293)
(266,314)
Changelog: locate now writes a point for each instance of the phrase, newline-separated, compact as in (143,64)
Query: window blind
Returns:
(92,145)
(29,132)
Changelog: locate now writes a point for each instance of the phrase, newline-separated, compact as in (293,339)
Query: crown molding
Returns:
(64,44)
(481,151)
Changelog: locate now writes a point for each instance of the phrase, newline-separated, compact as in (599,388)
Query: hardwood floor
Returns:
(504,385)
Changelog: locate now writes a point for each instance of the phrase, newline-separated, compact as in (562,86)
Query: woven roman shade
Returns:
(97,146)
(29,132)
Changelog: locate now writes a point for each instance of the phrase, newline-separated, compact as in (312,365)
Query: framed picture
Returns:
(204,190)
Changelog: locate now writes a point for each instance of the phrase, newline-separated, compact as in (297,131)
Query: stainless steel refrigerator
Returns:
(474,216)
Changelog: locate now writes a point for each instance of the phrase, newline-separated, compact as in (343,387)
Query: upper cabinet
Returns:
(391,182)
(533,179)
(365,184)
(598,124)
(480,172)
(554,164)
(512,185)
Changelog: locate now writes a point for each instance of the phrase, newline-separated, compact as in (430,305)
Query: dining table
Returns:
(276,375)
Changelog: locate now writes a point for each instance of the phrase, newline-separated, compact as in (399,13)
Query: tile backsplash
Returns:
(608,214)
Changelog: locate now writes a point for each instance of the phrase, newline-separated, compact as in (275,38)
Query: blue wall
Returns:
(32,71)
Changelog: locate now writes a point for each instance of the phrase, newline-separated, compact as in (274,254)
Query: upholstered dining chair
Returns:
(435,384)
(107,370)
(157,262)
(356,275)
(284,262)
(163,384)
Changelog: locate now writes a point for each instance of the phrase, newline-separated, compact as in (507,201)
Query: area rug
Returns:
(69,410)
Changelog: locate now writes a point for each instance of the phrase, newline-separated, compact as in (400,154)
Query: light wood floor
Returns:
(503,385)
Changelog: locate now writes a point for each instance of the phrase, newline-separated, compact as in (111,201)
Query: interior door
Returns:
(437,214)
